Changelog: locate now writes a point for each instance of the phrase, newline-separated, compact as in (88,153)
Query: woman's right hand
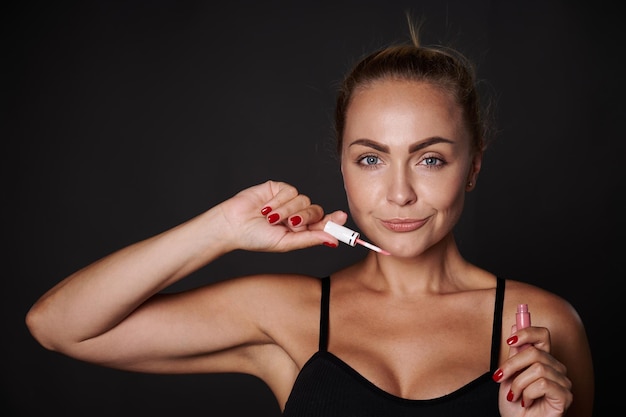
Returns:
(95,300)
(275,217)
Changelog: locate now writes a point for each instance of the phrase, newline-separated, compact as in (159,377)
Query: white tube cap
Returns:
(342,233)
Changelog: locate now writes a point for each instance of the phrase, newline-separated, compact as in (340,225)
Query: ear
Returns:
(472,175)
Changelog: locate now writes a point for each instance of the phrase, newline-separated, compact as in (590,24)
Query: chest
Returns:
(415,351)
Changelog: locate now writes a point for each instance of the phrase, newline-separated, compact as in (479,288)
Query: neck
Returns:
(439,269)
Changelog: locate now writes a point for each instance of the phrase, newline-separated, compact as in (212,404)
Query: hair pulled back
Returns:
(442,67)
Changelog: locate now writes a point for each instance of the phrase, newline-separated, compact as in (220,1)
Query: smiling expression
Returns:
(406,161)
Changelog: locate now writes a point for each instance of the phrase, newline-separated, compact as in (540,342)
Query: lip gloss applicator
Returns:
(350,237)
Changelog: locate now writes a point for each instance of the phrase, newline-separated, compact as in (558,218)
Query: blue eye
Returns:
(432,161)
(369,160)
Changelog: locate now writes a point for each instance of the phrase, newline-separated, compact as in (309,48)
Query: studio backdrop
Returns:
(123,119)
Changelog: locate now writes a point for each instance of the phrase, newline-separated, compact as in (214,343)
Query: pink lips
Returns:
(403,225)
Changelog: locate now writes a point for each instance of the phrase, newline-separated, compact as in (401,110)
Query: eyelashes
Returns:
(368,160)
(433,161)
(372,161)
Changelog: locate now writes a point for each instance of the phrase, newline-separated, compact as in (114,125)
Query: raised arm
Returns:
(111,312)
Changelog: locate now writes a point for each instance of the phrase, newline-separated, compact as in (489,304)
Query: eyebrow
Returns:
(412,148)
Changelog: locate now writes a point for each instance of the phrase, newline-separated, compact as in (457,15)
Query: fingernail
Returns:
(509,396)
(511,340)
(265,210)
(295,220)
(523,403)
(497,375)
(330,244)
(273,218)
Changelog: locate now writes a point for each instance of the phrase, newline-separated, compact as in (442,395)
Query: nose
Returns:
(401,190)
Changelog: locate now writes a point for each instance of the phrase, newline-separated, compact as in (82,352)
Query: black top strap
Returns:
(496,333)
(324,307)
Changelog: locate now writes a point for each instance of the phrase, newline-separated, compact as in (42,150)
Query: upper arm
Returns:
(214,328)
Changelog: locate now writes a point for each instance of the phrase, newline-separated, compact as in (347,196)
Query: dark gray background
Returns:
(122,119)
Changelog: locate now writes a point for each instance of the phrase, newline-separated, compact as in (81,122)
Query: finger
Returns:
(520,362)
(539,337)
(280,192)
(282,204)
(302,239)
(318,220)
(529,383)
(547,368)
(298,212)
(552,394)
(340,217)
(321,237)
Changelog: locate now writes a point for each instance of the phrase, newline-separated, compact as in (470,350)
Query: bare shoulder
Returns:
(568,341)
(547,308)
(568,336)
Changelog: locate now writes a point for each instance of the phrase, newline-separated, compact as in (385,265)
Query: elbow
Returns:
(35,323)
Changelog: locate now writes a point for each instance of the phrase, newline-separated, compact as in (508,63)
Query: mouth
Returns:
(403,225)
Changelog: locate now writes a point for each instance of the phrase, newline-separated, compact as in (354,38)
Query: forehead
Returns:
(403,108)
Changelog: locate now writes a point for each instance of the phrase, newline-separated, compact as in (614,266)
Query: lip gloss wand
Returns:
(350,237)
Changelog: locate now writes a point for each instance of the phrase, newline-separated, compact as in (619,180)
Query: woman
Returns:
(419,332)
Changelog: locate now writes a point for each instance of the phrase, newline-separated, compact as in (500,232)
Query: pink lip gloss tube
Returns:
(522,320)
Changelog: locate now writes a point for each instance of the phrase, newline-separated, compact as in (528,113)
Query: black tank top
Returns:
(328,387)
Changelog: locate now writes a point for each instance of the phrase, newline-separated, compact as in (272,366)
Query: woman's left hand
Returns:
(533,382)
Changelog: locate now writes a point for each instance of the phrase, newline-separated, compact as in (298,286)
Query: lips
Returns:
(404,225)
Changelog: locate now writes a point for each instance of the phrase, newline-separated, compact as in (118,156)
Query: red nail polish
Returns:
(265,210)
(523,403)
(330,245)
(273,218)
(497,375)
(509,396)
(511,340)
(295,220)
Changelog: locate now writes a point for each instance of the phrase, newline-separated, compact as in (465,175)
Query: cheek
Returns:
(358,195)
(445,194)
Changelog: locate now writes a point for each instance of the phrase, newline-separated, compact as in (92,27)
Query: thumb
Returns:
(340,217)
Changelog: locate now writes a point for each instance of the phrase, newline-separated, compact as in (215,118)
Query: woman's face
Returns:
(406,162)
